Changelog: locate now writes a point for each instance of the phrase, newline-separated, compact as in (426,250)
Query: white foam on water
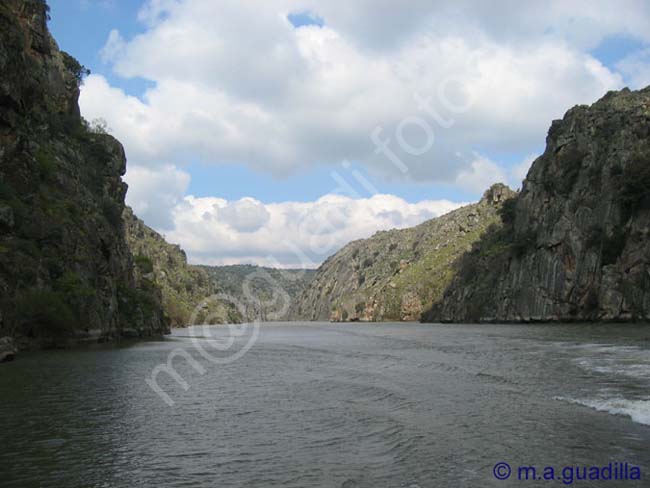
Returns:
(630,361)
(637,410)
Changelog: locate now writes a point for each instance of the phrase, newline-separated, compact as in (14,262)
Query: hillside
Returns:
(576,244)
(395,275)
(66,272)
(265,293)
(184,287)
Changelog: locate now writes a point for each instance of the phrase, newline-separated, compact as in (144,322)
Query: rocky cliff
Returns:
(397,274)
(184,287)
(576,241)
(66,272)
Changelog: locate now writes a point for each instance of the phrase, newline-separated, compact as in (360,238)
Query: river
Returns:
(330,405)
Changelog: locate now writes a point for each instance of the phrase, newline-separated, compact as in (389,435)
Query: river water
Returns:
(324,405)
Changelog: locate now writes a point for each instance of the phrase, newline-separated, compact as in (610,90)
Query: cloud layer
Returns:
(420,93)
(277,98)
(293,234)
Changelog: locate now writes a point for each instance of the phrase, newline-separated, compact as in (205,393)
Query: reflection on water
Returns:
(322,405)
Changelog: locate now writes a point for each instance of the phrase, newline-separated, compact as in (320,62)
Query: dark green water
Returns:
(321,405)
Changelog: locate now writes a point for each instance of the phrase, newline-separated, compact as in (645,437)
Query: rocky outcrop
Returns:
(183,287)
(263,293)
(576,241)
(395,275)
(66,272)
(7,349)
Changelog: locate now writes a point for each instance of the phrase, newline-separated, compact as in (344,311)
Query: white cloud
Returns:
(291,234)
(636,68)
(245,215)
(114,46)
(154,193)
(480,175)
(519,171)
(279,98)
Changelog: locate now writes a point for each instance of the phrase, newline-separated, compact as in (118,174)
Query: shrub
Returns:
(635,191)
(569,159)
(46,164)
(522,243)
(135,300)
(98,126)
(6,191)
(74,289)
(144,264)
(508,211)
(78,70)
(43,313)
(613,247)
(112,211)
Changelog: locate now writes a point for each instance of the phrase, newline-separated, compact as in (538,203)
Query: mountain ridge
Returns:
(396,274)
(576,241)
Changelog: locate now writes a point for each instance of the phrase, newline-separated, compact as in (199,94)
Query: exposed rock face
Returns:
(264,293)
(183,286)
(397,274)
(576,245)
(65,270)
(7,349)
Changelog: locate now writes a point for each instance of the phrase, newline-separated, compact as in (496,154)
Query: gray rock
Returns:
(6,216)
(576,247)
(396,274)
(7,349)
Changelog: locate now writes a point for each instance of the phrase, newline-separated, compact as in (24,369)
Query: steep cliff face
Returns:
(264,293)
(397,274)
(65,270)
(577,240)
(184,287)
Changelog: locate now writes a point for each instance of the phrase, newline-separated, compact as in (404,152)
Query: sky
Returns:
(276,131)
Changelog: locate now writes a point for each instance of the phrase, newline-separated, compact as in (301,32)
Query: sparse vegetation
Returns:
(508,211)
(144,264)
(46,164)
(635,194)
(78,70)
(45,314)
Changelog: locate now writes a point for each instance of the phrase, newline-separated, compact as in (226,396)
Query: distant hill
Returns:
(397,274)
(265,293)
(183,287)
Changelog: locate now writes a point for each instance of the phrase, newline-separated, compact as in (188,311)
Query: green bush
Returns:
(74,288)
(46,164)
(44,313)
(524,242)
(144,264)
(112,211)
(635,191)
(135,300)
(78,70)
(6,191)
(508,211)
